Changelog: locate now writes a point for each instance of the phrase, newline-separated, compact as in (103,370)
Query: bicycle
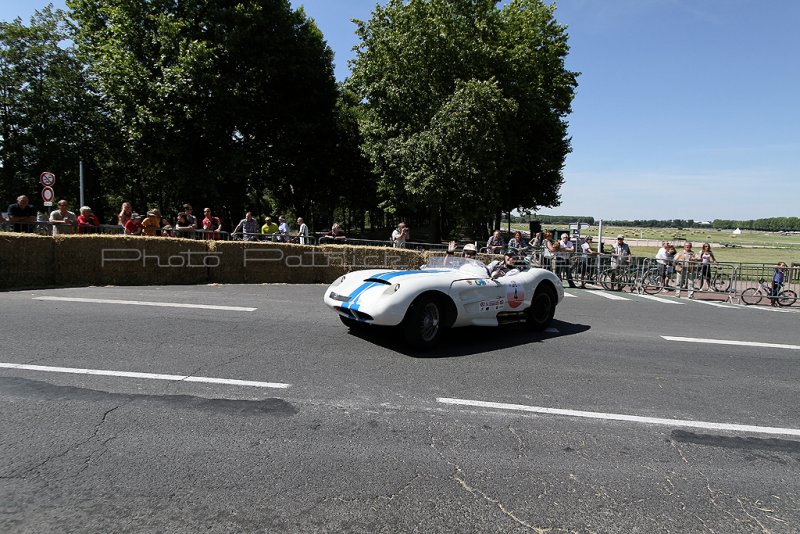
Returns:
(754,295)
(719,281)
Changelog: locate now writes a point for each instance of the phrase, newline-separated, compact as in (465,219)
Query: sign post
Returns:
(47,179)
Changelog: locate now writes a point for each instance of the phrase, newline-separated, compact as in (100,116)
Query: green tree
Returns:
(44,107)
(230,104)
(465,107)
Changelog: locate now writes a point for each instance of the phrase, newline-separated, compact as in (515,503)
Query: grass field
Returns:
(751,247)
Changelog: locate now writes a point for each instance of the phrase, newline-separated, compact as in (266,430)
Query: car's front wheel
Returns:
(543,308)
(423,323)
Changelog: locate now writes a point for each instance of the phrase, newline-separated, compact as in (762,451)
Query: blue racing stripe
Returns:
(352,303)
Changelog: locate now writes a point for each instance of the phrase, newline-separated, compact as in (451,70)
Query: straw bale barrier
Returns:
(81,260)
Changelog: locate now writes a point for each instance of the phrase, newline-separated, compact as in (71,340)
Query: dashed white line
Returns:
(659,299)
(145,303)
(570,295)
(732,342)
(150,376)
(622,417)
(717,304)
(610,296)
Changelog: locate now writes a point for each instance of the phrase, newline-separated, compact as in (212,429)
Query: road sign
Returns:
(579,226)
(47,179)
(47,195)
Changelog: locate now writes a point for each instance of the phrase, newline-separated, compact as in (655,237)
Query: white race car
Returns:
(448,292)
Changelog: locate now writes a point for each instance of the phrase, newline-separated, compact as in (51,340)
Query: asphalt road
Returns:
(344,432)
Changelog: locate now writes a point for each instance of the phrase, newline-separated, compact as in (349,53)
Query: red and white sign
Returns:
(48,194)
(47,179)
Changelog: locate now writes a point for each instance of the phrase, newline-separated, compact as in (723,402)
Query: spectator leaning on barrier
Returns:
(183,227)
(248,226)
(518,244)
(23,213)
(191,219)
(586,252)
(302,232)
(620,252)
(496,243)
(269,228)
(283,229)
(62,219)
(88,223)
(134,225)
(151,225)
(212,225)
(400,235)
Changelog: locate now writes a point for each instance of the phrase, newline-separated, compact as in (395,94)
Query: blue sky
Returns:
(685,109)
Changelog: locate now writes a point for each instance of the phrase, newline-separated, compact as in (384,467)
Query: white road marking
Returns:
(570,295)
(771,309)
(622,417)
(145,303)
(659,299)
(717,304)
(552,330)
(730,342)
(151,376)
(610,296)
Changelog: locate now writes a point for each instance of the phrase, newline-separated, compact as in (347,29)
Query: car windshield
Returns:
(467,265)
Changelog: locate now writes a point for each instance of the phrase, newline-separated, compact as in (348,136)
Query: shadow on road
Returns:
(469,340)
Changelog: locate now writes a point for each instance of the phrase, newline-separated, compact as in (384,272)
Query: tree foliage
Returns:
(464,106)
(44,106)
(231,104)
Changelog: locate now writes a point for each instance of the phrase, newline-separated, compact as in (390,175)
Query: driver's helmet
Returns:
(470,250)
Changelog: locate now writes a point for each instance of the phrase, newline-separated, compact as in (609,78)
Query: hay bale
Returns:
(27,261)
(130,260)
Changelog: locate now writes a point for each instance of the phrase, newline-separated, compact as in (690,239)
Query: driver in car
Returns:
(501,268)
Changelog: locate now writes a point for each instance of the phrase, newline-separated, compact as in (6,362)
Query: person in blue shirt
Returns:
(778,277)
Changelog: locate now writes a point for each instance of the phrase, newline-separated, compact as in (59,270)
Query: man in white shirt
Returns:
(400,236)
(302,232)
(565,251)
(63,220)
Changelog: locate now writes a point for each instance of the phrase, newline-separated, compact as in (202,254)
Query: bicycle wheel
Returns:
(652,282)
(721,283)
(751,295)
(787,297)
(613,280)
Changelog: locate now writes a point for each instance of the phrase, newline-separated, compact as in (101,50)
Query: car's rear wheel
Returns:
(543,308)
(423,323)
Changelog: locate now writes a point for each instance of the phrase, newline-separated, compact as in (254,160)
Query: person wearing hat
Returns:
(620,252)
(469,250)
(134,225)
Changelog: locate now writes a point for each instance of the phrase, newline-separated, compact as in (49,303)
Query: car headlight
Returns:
(391,290)
(338,281)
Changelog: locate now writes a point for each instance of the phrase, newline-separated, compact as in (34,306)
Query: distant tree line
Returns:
(772,224)
(454,114)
